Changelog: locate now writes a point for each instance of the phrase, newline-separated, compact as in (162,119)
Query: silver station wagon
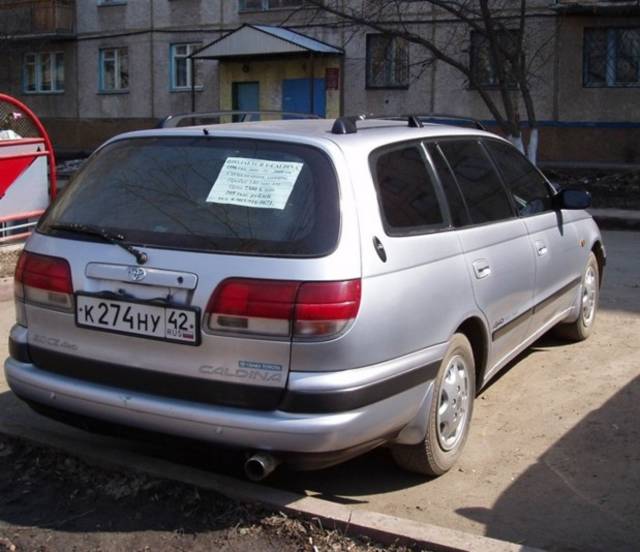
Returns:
(301,290)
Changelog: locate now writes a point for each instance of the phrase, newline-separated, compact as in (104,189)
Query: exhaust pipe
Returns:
(260,465)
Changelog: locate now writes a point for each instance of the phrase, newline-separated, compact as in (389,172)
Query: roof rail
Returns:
(446,118)
(347,124)
(213,117)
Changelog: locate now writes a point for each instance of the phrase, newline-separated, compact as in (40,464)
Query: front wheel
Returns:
(449,415)
(582,328)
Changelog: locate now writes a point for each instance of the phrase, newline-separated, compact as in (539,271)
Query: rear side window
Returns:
(527,186)
(209,194)
(486,198)
(406,191)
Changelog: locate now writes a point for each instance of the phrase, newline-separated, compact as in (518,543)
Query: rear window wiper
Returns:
(111,237)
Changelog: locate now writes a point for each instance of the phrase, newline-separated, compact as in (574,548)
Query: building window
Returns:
(482,65)
(611,57)
(111,2)
(263,5)
(387,62)
(114,70)
(181,77)
(44,72)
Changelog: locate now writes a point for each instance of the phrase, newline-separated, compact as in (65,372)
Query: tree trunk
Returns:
(517,142)
(532,147)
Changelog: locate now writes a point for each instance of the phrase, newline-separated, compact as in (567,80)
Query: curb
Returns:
(382,528)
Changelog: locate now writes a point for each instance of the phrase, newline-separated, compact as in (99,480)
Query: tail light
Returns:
(282,308)
(43,280)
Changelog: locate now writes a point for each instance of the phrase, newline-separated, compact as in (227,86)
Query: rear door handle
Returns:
(481,268)
(541,248)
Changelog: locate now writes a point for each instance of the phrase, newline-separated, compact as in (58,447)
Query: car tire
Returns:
(582,328)
(449,415)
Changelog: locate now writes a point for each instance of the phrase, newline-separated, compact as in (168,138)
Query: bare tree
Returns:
(502,28)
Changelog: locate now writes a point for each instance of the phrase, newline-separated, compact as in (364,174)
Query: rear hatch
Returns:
(179,266)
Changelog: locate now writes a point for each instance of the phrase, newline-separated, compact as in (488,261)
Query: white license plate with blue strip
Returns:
(166,323)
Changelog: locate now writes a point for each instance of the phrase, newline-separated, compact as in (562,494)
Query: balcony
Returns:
(597,7)
(25,19)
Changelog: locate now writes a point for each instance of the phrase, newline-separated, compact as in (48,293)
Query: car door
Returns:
(495,244)
(554,242)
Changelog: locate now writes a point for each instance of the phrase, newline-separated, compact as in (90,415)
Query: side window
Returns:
(486,198)
(528,187)
(457,208)
(406,192)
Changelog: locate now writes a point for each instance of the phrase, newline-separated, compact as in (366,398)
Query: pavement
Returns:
(553,458)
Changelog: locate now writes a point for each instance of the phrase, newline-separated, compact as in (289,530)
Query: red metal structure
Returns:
(27,170)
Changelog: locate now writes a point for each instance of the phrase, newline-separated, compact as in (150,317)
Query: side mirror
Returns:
(572,198)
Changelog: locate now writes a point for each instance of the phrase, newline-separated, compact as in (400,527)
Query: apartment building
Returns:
(92,68)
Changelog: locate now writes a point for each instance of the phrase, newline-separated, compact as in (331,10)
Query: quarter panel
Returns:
(411,301)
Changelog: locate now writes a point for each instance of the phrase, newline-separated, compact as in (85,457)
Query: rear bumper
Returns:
(264,430)
(321,431)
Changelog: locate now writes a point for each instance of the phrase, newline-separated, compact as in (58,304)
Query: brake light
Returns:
(325,308)
(44,280)
(283,308)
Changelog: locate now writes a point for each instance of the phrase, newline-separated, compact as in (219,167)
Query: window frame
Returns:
(550,188)
(266,6)
(368,60)
(478,139)
(473,64)
(610,48)
(434,143)
(191,48)
(392,231)
(117,76)
(37,72)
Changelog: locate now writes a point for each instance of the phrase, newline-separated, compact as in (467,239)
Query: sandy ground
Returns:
(553,458)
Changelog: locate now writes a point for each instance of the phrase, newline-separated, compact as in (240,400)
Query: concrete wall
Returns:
(92,17)
(577,103)
(62,104)
(189,13)
(72,136)
(167,101)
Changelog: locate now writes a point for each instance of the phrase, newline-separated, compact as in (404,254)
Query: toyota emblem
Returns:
(137,274)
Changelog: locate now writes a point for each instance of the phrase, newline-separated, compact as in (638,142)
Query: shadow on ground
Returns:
(52,501)
(587,485)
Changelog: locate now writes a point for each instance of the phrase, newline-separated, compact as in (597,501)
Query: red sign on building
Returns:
(332,78)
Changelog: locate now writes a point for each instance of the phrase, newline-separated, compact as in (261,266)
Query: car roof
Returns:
(372,133)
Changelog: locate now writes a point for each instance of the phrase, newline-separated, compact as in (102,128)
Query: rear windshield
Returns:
(210,194)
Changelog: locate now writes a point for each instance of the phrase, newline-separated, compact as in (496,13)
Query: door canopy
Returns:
(264,40)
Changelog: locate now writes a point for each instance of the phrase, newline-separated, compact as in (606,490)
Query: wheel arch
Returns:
(474,329)
(598,251)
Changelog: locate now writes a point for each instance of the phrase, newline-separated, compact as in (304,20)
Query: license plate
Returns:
(166,323)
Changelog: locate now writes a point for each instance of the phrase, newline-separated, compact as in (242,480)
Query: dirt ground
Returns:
(51,501)
(610,189)
(553,458)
